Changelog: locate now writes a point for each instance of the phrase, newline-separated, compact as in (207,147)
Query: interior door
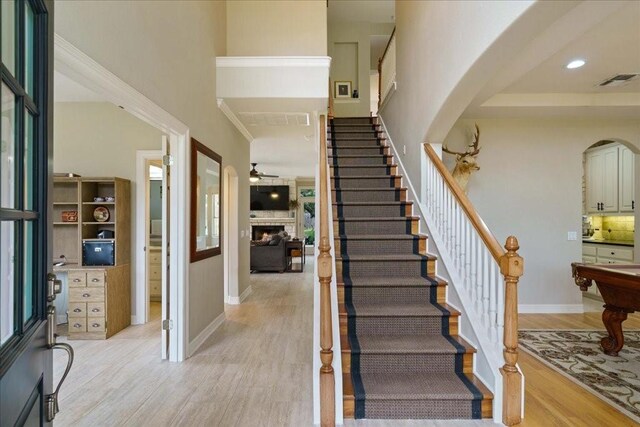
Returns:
(27,315)
(166,200)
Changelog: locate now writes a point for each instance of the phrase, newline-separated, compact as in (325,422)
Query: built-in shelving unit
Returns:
(99,297)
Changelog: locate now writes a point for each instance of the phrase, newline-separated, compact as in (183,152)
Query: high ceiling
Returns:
(537,83)
(375,11)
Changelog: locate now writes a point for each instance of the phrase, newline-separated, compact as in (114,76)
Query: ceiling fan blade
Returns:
(269,176)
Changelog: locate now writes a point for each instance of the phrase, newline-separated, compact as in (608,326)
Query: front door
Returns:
(26,39)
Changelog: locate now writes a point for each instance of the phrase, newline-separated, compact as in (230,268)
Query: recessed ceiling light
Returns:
(576,63)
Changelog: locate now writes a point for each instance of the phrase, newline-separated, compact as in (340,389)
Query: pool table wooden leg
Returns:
(612,317)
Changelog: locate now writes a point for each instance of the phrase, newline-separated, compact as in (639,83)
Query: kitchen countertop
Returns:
(610,242)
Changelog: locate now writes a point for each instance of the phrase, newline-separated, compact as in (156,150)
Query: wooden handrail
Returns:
(393,33)
(483,231)
(325,262)
(511,267)
(380,60)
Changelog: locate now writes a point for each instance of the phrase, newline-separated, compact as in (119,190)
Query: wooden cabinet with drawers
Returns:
(99,301)
(155,273)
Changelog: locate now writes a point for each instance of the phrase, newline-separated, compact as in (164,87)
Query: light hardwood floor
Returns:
(256,370)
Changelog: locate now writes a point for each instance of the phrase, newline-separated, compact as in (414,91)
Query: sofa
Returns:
(270,255)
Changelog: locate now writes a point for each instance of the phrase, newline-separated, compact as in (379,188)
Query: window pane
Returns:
(29,181)
(8,25)
(7,259)
(29,48)
(307,192)
(27,271)
(7,148)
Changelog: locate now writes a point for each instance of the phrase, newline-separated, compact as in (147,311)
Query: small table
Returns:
(619,286)
(295,248)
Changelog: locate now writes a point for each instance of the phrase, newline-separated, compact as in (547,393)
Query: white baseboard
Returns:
(206,333)
(241,298)
(550,308)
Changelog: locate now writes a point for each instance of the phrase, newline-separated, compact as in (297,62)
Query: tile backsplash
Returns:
(622,227)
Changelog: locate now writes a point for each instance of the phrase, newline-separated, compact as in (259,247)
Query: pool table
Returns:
(619,285)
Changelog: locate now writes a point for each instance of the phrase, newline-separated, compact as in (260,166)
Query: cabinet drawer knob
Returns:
(613,253)
(77,325)
(95,310)
(86,295)
(76,310)
(95,325)
(77,280)
(95,280)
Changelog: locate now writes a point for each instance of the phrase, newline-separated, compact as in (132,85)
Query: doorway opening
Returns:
(609,214)
(84,77)
(231,233)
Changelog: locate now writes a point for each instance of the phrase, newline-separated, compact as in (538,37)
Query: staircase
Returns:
(402,357)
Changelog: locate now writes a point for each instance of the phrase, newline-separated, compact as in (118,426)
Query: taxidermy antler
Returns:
(466,161)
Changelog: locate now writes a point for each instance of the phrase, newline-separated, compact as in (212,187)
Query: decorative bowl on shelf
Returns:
(98,199)
(109,199)
(101,214)
(69,216)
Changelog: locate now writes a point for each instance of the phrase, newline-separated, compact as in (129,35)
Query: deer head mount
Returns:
(466,162)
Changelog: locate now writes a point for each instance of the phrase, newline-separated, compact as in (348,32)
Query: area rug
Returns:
(576,354)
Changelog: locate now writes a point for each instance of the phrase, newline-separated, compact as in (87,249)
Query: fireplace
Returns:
(257,231)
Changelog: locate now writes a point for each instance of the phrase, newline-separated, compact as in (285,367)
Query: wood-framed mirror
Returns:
(206,197)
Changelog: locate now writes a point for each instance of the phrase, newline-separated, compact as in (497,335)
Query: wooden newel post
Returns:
(327,380)
(511,267)
(325,262)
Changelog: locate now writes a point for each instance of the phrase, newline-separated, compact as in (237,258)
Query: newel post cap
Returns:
(512,264)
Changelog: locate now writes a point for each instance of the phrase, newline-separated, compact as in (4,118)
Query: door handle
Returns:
(51,400)
(54,287)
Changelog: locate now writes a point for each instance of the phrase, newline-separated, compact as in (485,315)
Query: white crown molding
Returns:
(234,119)
(206,333)
(618,99)
(272,61)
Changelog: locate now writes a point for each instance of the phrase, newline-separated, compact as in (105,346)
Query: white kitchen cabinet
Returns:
(597,253)
(602,179)
(627,181)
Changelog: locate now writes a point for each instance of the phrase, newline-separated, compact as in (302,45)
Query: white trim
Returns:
(205,334)
(241,298)
(234,119)
(272,61)
(134,319)
(550,308)
(79,67)
(140,286)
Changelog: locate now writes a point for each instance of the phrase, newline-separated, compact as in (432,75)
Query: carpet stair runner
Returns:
(401,353)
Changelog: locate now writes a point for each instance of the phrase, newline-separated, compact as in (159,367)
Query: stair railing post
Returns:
(512,268)
(327,380)
(379,82)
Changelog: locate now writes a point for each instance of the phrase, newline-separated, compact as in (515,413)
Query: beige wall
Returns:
(530,185)
(350,51)
(442,63)
(165,50)
(276,28)
(100,139)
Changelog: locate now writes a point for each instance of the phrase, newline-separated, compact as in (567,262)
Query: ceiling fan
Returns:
(255,176)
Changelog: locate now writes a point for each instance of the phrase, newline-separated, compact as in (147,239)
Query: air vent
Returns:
(619,80)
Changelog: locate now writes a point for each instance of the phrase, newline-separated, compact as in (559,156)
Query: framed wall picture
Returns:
(342,90)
